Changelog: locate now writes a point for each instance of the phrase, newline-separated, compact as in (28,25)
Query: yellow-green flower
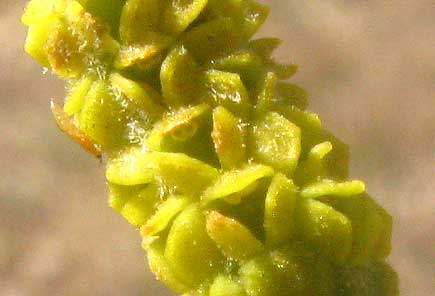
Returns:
(234,187)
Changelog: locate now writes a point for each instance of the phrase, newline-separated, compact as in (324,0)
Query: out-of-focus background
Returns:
(370,69)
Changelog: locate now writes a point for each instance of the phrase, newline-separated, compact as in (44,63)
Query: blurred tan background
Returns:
(370,69)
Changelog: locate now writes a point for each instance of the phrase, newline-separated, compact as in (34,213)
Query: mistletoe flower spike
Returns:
(235,188)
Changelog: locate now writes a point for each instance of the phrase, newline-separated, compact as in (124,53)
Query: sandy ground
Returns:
(370,70)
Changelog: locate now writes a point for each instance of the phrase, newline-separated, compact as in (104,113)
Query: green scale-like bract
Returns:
(235,188)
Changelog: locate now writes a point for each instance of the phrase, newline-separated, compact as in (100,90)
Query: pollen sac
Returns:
(229,138)
(209,150)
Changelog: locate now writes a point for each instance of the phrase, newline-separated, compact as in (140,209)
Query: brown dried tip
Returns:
(66,124)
